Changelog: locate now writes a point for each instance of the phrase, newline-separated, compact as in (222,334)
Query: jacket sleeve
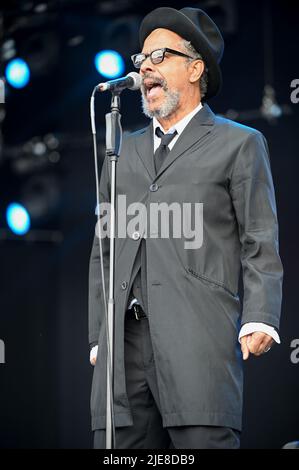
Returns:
(96,312)
(253,198)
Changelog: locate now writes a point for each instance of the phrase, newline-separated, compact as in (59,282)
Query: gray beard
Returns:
(169,106)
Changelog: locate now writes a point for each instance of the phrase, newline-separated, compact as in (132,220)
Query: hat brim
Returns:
(176,21)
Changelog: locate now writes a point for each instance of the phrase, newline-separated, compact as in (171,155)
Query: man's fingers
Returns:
(244,348)
(93,360)
(259,342)
(255,344)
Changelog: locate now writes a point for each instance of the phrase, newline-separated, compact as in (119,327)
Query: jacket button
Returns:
(136,235)
(124,285)
(154,187)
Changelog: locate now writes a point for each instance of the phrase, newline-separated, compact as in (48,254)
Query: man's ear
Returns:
(197,69)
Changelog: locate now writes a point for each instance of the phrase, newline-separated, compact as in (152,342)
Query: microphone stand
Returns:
(113,145)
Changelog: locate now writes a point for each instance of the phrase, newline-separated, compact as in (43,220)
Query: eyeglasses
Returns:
(156,56)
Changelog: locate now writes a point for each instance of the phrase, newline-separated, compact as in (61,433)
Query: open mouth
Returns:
(152,88)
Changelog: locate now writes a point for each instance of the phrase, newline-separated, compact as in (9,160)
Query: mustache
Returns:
(157,80)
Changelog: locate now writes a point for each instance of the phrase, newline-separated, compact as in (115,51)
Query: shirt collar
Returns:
(179,126)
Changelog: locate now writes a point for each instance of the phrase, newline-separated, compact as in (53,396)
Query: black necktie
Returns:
(162,150)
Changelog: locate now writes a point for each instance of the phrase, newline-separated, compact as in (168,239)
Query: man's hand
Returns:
(93,355)
(256,343)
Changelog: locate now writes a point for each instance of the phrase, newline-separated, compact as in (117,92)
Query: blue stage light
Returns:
(18,218)
(17,73)
(110,64)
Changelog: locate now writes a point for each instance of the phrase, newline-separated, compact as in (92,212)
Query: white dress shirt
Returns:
(248,328)
(179,127)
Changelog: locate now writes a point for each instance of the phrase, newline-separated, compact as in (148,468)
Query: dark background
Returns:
(45,382)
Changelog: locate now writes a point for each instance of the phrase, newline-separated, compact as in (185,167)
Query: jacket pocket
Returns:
(211,282)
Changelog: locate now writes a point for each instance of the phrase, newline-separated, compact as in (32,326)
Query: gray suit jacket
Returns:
(193,303)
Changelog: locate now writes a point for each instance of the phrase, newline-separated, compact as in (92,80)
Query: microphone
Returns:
(131,81)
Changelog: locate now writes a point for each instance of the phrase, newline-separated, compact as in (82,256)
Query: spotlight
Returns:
(17,73)
(109,63)
(18,218)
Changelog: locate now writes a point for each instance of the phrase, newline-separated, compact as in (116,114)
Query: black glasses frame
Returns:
(158,60)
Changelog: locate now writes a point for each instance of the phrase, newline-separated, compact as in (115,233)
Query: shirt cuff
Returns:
(93,353)
(252,327)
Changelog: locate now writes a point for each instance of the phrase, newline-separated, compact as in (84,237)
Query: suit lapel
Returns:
(196,129)
(145,149)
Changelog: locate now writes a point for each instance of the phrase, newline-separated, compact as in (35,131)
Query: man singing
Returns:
(180,332)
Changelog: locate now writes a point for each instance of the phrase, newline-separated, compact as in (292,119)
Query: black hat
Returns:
(195,26)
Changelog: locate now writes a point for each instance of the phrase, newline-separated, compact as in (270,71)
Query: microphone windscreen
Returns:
(137,80)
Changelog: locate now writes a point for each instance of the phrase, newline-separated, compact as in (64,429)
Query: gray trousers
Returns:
(147,431)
